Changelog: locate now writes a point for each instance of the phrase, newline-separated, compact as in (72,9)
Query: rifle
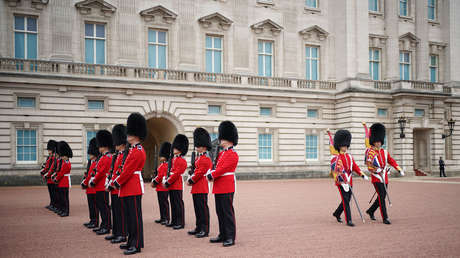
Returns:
(215,152)
(109,177)
(155,169)
(85,175)
(125,155)
(58,168)
(192,166)
(171,156)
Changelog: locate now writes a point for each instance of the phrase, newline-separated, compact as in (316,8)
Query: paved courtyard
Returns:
(274,219)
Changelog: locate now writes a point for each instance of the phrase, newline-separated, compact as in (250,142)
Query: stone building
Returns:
(282,70)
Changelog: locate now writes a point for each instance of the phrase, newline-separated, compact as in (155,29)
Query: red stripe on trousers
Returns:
(343,204)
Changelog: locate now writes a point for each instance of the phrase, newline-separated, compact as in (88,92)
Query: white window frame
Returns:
(310,59)
(271,147)
(88,99)
(435,7)
(157,44)
(37,143)
(18,95)
(382,108)
(215,104)
(269,107)
(418,108)
(94,38)
(379,62)
(436,67)
(263,53)
(406,63)
(317,146)
(407,8)
(25,31)
(213,50)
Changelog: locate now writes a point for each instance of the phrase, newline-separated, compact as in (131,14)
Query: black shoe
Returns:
(64,214)
(132,250)
(193,232)
(48,207)
(217,239)
(371,215)
(339,220)
(228,242)
(118,239)
(176,227)
(110,237)
(386,221)
(103,231)
(170,225)
(96,229)
(350,224)
(164,222)
(87,224)
(124,246)
(158,220)
(201,234)
(92,226)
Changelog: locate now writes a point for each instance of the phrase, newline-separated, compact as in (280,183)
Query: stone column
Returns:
(392,44)
(421,31)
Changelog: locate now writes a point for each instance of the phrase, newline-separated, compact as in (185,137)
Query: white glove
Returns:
(366,178)
(402,172)
(378,170)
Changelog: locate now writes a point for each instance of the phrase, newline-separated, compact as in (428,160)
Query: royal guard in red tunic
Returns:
(99,180)
(162,192)
(45,172)
(118,225)
(200,189)
(174,183)
(342,166)
(93,153)
(224,185)
(62,178)
(378,162)
(131,184)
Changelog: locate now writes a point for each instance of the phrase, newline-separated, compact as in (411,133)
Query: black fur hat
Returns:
(165,150)
(137,126)
(52,145)
(92,147)
(63,149)
(181,143)
(377,133)
(342,138)
(201,138)
(228,131)
(119,134)
(104,139)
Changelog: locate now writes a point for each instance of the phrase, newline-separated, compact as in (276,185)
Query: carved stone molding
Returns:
(223,22)
(314,32)
(408,41)
(157,13)
(267,25)
(437,47)
(86,7)
(377,41)
(36,4)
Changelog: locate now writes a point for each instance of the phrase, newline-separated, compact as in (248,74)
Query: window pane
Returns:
(265,146)
(208,61)
(406,57)
(375,71)
(31,46)
(96,104)
(307,52)
(162,57)
(26,102)
(100,30)
(311,144)
(308,69)
(208,42)
(383,112)
(406,72)
(432,74)
(431,13)
(265,111)
(260,46)
(217,61)
(213,136)
(314,52)
(31,24)
(311,3)
(261,65)
(152,36)
(100,51)
(312,113)
(314,69)
(89,29)
(213,109)
(152,56)
(162,37)
(19,22)
(89,51)
(419,112)
(376,55)
(433,60)
(268,47)
(19,45)
(268,66)
(218,42)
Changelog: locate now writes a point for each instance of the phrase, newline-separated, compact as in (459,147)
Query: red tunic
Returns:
(377,158)
(102,170)
(179,165)
(202,165)
(90,190)
(130,179)
(224,175)
(345,164)
(63,176)
(162,171)
(116,169)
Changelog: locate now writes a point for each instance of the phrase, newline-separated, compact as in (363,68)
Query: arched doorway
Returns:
(159,130)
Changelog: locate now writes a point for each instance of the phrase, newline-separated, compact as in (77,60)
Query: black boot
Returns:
(103,231)
(201,234)
(118,239)
(339,220)
(92,225)
(164,222)
(386,221)
(158,220)
(110,237)
(371,215)
(217,239)
(132,250)
(176,227)
(124,246)
(170,225)
(193,232)
(350,224)
(228,242)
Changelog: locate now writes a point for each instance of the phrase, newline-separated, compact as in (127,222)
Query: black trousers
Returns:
(177,207)
(163,204)
(50,186)
(380,201)
(441,172)
(102,204)
(53,194)
(118,227)
(124,218)
(132,205)
(226,215)
(93,212)
(344,205)
(63,193)
(200,203)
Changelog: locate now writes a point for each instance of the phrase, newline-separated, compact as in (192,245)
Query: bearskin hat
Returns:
(92,147)
(137,126)
(228,131)
(342,138)
(377,133)
(119,134)
(51,145)
(201,138)
(181,143)
(165,150)
(104,139)
(63,149)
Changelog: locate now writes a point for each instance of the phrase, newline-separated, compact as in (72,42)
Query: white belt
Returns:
(140,179)
(228,173)
(70,182)
(66,174)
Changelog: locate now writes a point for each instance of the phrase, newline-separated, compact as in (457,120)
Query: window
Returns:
(374,5)
(404,65)
(94,43)
(265,111)
(311,3)
(265,147)
(312,113)
(382,112)
(26,145)
(214,109)
(95,104)
(432,10)
(374,63)
(311,147)
(26,102)
(384,145)
(403,8)
(312,62)
(157,44)
(25,37)
(213,54)
(89,135)
(213,136)
(419,112)
(265,50)
(434,68)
